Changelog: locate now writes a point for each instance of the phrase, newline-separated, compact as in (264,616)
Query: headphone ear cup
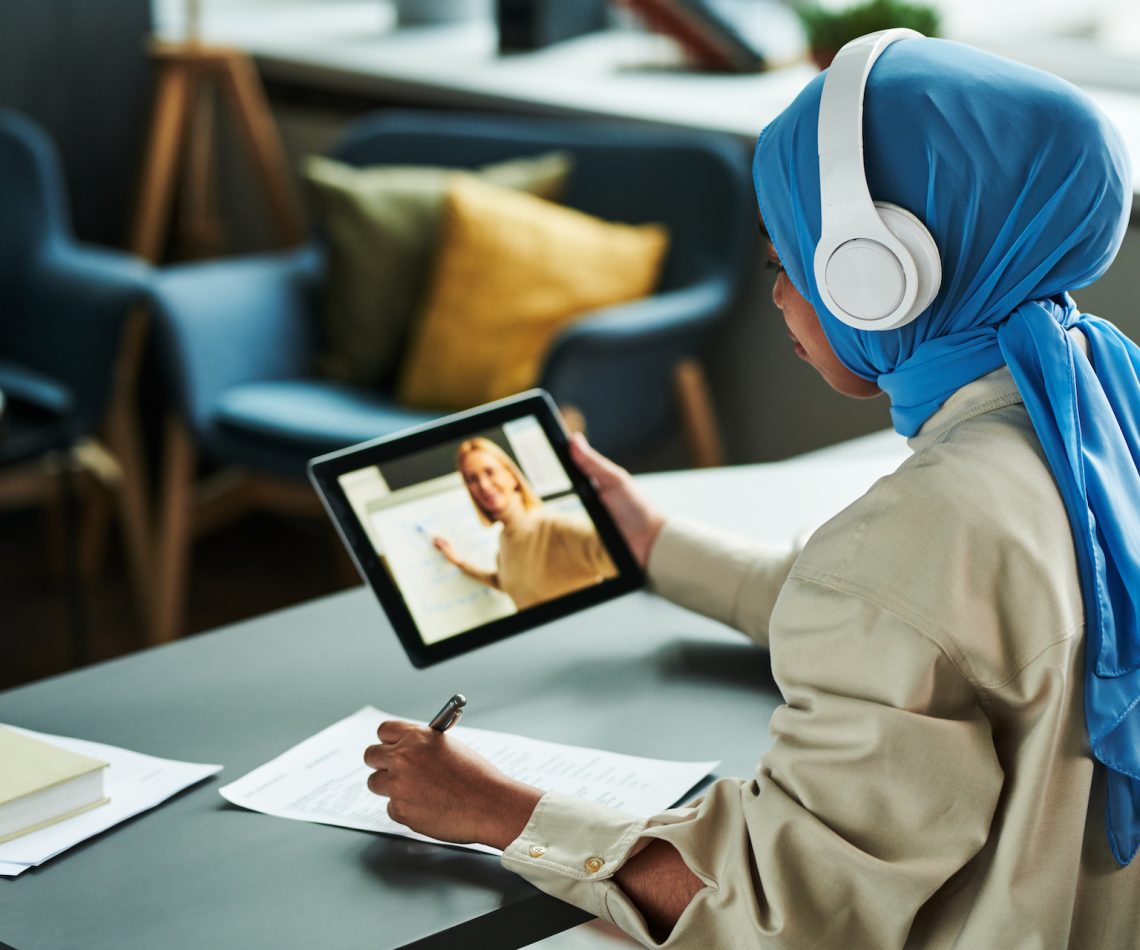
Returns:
(914,236)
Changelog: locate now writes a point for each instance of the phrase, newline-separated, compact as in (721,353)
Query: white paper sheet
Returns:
(8,869)
(323,779)
(134,782)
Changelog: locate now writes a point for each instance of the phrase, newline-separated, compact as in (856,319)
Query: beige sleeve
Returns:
(881,784)
(724,576)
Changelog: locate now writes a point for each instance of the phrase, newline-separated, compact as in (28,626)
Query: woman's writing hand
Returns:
(638,521)
(443,546)
(441,788)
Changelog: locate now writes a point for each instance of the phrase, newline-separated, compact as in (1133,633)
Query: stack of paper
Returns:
(133,783)
(323,779)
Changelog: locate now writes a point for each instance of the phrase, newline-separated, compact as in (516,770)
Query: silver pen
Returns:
(449,715)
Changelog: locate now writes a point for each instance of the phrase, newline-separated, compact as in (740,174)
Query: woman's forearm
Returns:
(490,578)
(660,884)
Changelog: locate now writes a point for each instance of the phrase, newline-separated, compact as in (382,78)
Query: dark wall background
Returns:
(79,68)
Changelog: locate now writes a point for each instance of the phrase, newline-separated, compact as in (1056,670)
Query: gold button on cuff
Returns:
(536,851)
(594,865)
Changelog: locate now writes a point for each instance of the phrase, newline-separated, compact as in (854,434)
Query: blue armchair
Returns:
(239,335)
(64,309)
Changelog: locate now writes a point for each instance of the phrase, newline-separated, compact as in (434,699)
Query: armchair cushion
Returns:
(512,271)
(311,416)
(382,225)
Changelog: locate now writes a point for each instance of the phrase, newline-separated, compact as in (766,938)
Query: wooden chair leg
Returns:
(121,468)
(103,478)
(173,548)
(126,442)
(55,532)
(95,522)
(697,416)
(77,608)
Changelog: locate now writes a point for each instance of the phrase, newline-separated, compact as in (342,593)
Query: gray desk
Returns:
(637,675)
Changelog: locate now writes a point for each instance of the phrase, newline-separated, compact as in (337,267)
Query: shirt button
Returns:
(536,851)
(594,865)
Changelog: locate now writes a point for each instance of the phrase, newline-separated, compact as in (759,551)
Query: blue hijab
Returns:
(1026,189)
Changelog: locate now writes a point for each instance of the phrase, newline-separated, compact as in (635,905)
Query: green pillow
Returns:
(382,226)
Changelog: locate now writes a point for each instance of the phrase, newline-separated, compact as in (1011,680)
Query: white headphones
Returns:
(876,265)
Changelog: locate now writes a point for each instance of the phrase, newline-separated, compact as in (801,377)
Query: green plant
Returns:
(828,30)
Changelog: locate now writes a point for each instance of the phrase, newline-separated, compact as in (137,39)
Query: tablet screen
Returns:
(480,525)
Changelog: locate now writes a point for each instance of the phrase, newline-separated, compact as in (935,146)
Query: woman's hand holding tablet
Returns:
(638,521)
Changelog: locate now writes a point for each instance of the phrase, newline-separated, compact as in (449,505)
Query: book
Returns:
(41,784)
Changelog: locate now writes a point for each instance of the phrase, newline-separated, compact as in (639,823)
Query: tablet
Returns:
(475,527)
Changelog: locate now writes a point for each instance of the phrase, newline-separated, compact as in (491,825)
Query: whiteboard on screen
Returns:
(442,600)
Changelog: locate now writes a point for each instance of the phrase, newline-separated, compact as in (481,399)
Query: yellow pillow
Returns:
(512,270)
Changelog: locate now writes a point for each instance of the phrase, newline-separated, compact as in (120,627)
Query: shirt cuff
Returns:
(571,849)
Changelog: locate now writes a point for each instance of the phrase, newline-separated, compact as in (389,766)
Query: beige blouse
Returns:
(545,554)
(929,783)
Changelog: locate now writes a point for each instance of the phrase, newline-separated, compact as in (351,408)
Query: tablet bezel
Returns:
(324,474)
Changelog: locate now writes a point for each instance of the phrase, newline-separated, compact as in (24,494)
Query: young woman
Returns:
(543,554)
(957,762)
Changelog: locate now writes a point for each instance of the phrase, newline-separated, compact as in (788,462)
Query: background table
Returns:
(637,675)
(351,46)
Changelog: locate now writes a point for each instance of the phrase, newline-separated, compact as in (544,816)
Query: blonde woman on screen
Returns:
(543,553)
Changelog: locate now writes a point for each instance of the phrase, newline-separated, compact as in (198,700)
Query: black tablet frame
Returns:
(325,471)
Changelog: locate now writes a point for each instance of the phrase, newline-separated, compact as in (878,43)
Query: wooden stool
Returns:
(182,130)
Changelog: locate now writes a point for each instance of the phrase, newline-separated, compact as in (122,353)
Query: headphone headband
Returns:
(841,123)
(876,265)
